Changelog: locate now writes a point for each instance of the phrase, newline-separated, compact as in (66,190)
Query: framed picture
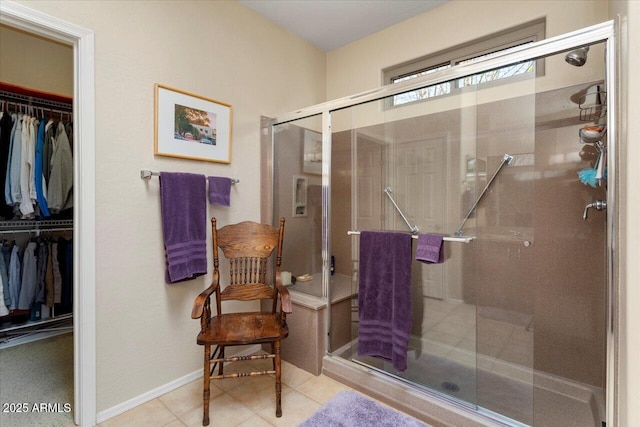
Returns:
(191,126)
(312,157)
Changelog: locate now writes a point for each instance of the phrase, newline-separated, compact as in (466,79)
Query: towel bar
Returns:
(147,174)
(460,239)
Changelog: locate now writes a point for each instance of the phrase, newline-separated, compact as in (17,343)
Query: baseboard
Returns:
(107,414)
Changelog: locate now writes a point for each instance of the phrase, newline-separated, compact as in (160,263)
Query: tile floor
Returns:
(249,402)
(244,402)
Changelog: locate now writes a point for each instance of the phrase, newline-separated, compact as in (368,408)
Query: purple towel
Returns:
(219,190)
(384,296)
(184,225)
(430,248)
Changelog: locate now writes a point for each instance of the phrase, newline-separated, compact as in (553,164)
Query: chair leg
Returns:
(273,351)
(278,379)
(221,364)
(207,381)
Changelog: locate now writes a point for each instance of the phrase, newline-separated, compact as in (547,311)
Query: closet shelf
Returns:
(36,224)
(34,97)
(22,226)
(33,323)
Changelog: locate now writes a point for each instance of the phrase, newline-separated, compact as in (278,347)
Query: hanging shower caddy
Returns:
(593,108)
(593,105)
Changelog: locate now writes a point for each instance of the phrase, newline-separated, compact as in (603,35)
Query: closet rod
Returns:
(460,239)
(147,174)
(31,100)
(29,108)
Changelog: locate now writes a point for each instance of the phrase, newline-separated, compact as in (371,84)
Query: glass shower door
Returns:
(297,181)
(440,167)
(502,252)
(424,163)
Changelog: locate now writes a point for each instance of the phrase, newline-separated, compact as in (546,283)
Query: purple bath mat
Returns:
(349,409)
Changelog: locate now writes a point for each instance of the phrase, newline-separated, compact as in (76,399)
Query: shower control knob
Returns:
(598,205)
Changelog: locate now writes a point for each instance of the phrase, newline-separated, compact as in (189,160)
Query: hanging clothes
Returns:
(69,128)
(34,152)
(7,183)
(59,192)
(36,167)
(5,300)
(3,308)
(6,126)
(27,159)
(57,278)
(40,183)
(65,263)
(47,149)
(14,277)
(42,256)
(4,273)
(16,163)
(29,285)
(48,278)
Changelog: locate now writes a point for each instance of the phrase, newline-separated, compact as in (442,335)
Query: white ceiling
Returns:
(329,24)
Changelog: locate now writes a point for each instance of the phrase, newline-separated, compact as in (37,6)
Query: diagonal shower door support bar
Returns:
(414,229)
(506,160)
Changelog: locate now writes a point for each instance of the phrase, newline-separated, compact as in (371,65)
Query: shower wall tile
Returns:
(569,261)
(552,293)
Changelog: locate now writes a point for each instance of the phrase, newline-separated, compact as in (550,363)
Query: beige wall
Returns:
(358,66)
(36,63)
(222,50)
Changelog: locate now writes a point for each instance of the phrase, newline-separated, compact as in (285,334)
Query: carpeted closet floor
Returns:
(37,373)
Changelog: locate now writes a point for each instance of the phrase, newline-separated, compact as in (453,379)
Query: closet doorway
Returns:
(34,23)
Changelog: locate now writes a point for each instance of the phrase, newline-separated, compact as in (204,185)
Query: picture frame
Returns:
(191,126)
(312,153)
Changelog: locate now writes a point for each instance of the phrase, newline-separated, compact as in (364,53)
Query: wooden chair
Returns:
(247,246)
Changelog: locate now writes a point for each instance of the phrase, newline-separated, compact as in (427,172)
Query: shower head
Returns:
(577,57)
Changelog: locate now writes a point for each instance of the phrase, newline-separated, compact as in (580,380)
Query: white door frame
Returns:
(84,323)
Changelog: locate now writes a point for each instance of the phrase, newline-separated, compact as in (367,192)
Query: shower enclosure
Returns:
(512,159)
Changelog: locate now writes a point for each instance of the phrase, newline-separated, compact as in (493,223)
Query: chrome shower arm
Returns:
(414,229)
(506,159)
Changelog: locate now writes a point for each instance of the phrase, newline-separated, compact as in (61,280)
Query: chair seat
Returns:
(244,328)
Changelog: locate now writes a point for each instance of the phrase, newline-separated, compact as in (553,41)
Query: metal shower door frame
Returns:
(603,32)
